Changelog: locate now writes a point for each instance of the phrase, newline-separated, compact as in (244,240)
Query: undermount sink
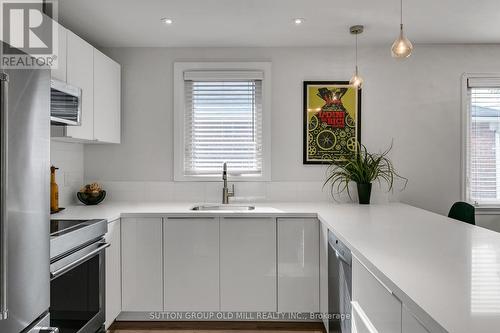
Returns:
(223,207)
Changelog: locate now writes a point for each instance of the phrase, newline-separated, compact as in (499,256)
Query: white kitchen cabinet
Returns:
(323,273)
(381,307)
(298,265)
(113,273)
(80,64)
(410,323)
(59,73)
(142,264)
(191,252)
(248,264)
(360,322)
(107,92)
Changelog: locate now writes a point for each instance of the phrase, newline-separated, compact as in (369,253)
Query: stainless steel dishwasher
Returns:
(339,285)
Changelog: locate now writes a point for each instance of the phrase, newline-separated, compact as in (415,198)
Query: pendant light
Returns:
(356,80)
(402,47)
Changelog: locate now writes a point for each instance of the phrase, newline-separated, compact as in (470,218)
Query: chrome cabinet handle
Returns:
(4,93)
(78,261)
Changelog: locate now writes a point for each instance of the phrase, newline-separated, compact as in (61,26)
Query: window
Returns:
(482,140)
(221,116)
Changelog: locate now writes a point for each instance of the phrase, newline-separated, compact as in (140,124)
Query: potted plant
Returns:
(363,168)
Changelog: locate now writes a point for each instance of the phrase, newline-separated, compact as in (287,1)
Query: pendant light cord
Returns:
(356,54)
(401,13)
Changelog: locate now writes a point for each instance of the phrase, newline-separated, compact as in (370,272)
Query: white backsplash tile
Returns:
(250,191)
(211,192)
(189,192)
(282,191)
(68,157)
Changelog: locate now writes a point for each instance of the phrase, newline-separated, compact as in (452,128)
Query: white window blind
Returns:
(223,123)
(483,148)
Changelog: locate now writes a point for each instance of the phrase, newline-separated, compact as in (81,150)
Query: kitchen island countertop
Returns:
(446,272)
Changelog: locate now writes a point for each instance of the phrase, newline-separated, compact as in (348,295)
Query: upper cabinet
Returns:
(59,73)
(80,64)
(99,77)
(106,98)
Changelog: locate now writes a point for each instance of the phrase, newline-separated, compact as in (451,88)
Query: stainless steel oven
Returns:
(77,289)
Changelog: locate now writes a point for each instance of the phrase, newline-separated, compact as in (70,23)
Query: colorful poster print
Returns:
(332,119)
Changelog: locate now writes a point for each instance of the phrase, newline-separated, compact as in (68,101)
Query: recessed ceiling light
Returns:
(298,20)
(167,21)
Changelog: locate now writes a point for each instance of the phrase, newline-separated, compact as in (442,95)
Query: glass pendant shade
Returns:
(356,80)
(402,47)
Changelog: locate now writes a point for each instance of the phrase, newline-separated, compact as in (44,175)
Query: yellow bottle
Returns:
(54,191)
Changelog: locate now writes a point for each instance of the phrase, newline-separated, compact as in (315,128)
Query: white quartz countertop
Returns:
(445,271)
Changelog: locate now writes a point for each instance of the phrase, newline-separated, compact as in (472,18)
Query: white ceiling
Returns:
(230,23)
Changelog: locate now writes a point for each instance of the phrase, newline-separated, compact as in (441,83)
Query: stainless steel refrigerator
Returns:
(24,200)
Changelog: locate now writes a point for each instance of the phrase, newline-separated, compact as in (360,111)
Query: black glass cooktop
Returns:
(59,227)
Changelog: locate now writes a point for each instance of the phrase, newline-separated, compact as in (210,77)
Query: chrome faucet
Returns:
(226,193)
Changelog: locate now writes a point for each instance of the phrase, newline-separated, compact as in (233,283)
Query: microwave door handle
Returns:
(77,262)
(4,93)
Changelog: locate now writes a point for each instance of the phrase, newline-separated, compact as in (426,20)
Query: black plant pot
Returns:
(364,193)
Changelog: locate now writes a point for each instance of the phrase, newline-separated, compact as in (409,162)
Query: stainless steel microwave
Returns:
(65,104)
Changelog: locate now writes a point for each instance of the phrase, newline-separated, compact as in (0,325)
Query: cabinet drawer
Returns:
(377,302)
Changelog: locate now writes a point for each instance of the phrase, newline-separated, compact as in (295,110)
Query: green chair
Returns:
(463,211)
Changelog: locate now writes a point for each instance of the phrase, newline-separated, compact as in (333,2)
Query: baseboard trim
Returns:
(217,325)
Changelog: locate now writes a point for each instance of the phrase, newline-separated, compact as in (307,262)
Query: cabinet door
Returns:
(113,273)
(298,265)
(191,253)
(59,73)
(142,264)
(360,323)
(248,264)
(107,92)
(323,273)
(411,324)
(378,303)
(80,73)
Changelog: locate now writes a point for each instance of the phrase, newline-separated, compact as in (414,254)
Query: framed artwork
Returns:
(332,121)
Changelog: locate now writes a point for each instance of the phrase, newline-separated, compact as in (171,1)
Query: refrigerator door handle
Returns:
(4,92)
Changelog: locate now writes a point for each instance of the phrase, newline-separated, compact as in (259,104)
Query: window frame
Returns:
(465,120)
(179,112)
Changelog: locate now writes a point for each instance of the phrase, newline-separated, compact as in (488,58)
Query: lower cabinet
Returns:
(191,254)
(216,263)
(248,264)
(142,264)
(374,300)
(113,273)
(298,265)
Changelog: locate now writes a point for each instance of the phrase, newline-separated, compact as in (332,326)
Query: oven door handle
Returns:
(48,330)
(77,262)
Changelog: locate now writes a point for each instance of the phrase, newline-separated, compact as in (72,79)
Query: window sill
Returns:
(488,209)
(218,178)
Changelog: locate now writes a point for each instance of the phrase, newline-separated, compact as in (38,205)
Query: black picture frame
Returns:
(305,86)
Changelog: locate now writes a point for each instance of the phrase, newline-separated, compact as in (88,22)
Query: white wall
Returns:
(68,157)
(415,102)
